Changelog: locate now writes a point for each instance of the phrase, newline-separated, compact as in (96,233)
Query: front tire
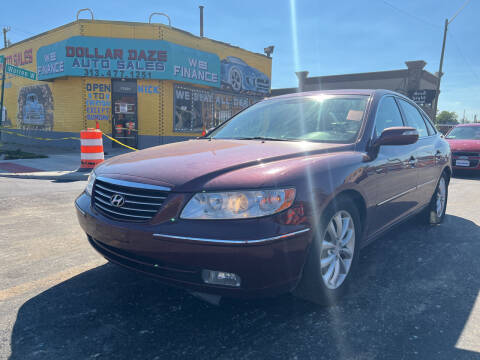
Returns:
(333,255)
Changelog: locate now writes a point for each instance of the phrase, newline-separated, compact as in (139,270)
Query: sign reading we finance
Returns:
(127,58)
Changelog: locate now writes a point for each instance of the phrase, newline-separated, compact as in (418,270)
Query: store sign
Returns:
(148,89)
(422,97)
(127,58)
(20,58)
(199,108)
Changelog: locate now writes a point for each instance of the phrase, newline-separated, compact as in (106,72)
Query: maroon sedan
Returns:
(280,198)
(464,142)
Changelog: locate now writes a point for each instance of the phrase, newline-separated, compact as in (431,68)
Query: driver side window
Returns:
(388,115)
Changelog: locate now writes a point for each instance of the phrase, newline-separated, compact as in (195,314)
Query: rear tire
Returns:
(435,212)
(333,255)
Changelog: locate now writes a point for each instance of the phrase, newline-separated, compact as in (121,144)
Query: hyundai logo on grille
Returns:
(117,200)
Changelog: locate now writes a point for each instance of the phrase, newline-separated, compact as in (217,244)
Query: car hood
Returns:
(464,145)
(184,166)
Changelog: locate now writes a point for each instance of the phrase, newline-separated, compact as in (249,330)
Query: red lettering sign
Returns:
(85,52)
(20,58)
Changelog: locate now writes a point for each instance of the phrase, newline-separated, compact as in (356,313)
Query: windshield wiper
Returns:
(260,138)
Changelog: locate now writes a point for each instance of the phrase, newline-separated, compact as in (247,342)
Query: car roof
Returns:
(367,92)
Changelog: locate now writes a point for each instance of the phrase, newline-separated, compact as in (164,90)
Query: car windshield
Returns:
(465,133)
(324,118)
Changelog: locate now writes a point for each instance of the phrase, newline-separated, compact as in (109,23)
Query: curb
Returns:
(59,176)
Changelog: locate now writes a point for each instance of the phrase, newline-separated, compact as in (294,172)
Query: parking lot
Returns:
(417,295)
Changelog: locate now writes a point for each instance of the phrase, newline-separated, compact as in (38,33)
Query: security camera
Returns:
(269,50)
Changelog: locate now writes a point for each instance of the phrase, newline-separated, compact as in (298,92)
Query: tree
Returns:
(447,117)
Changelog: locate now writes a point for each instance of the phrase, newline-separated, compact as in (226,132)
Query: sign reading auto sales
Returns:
(127,58)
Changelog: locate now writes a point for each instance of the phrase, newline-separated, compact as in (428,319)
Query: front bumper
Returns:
(270,262)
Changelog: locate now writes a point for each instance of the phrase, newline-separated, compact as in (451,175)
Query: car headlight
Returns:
(238,204)
(90,181)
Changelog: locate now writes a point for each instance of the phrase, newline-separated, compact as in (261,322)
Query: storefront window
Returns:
(199,108)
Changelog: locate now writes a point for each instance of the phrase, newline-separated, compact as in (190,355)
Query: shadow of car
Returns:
(412,299)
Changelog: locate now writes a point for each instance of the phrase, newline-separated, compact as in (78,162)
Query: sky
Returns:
(322,37)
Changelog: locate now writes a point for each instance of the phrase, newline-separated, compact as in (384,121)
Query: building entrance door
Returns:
(124,114)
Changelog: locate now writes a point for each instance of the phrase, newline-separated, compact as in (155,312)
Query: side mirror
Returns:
(401,135)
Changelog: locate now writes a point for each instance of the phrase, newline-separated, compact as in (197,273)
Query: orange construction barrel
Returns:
(91,148)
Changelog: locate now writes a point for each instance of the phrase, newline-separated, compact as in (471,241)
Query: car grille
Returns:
(140,204)
(465,153)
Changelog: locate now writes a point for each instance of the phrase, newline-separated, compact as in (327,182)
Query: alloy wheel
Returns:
(337,249)
(441,197)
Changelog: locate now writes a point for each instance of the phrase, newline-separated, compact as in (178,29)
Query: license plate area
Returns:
(462,162)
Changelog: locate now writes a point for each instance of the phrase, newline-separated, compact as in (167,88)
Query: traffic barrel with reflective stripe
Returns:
(91,148)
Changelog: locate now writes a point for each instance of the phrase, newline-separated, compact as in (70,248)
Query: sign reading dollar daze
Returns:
(127,58)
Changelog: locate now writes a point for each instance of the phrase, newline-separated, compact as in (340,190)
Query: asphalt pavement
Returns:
(416,296)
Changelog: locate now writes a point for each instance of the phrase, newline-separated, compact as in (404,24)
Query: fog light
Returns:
(220,278)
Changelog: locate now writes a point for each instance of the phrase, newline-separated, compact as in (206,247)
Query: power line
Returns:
(459,11)
(411,15)
(467,62)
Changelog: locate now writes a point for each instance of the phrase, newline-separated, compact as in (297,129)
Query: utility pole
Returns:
(437,93)
(4,63)
(440,74)
(5,41)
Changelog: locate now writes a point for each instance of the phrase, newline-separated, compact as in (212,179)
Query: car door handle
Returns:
(412,161)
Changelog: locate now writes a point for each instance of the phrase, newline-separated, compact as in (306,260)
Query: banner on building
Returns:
(127,58)
(88,56)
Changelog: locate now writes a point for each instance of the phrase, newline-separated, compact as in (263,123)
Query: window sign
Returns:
(98,104)
(199,108)
(123,108)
